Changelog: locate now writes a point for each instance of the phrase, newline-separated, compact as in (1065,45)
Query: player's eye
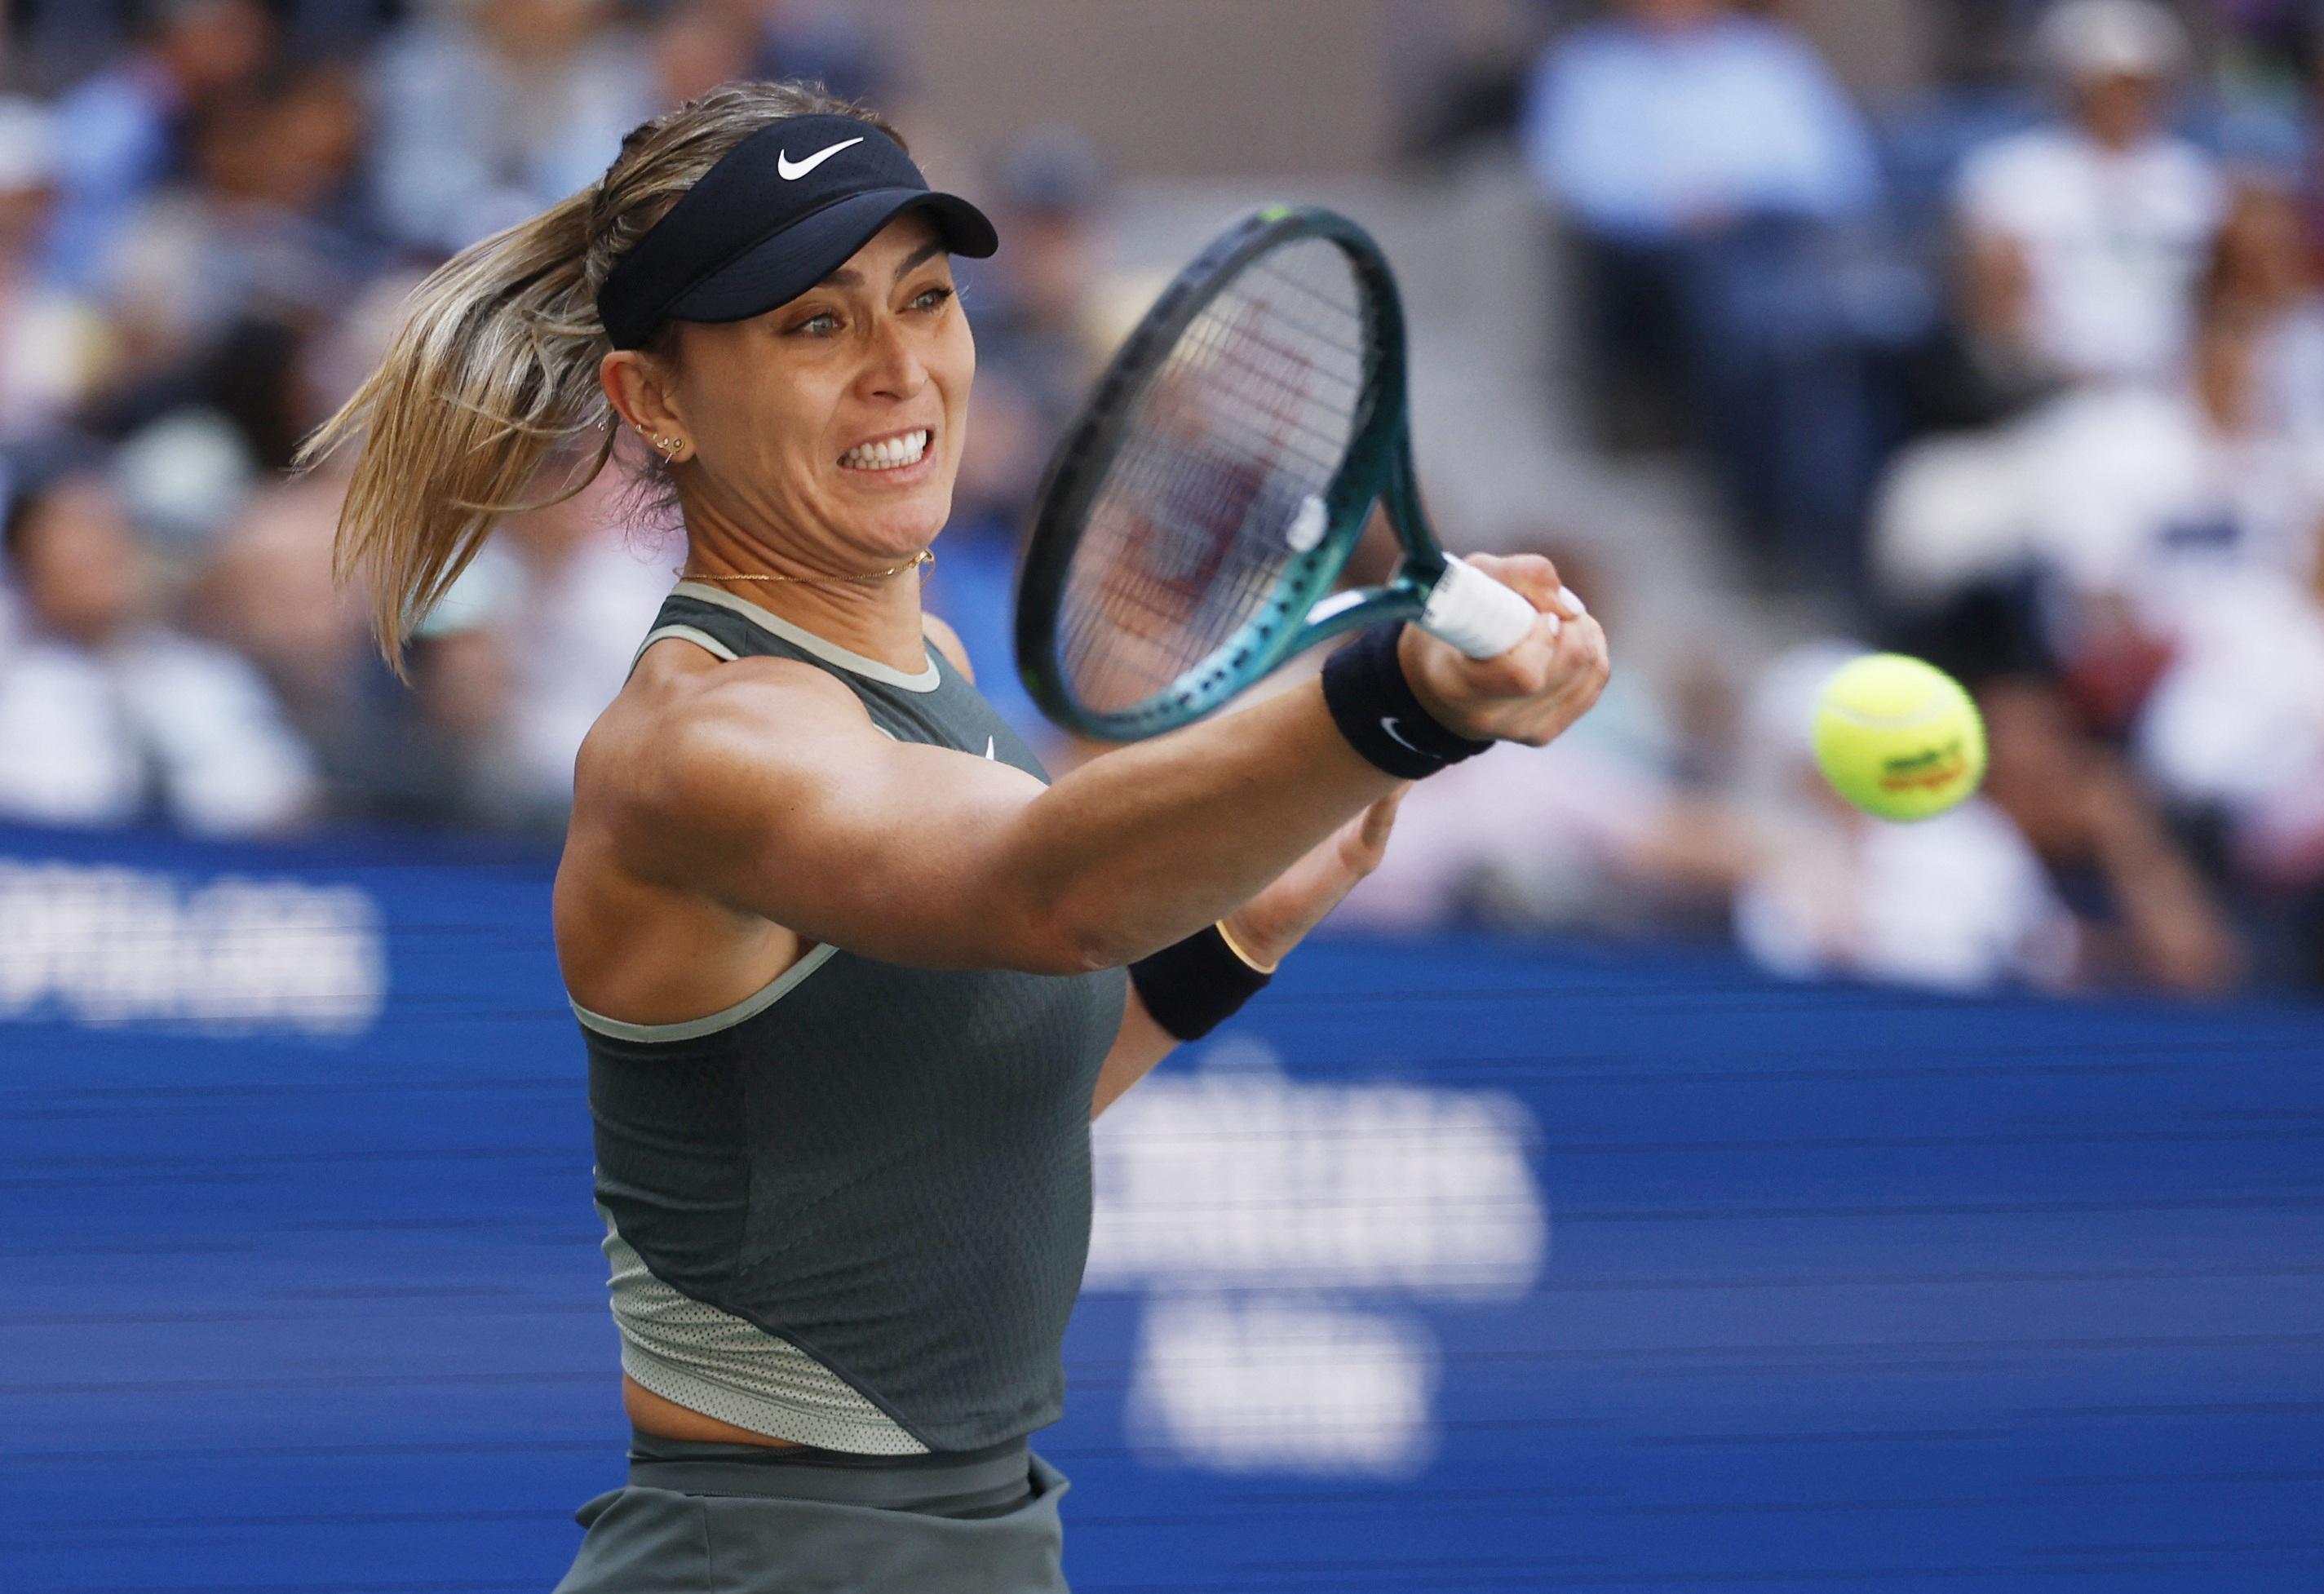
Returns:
(822,324)
(931,299)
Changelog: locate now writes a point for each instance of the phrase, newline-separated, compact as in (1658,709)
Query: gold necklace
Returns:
(926,555)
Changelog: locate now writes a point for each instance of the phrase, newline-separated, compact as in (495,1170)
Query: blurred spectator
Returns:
(821,40)
(217,279)
(267,590)
(2147,917)
(581,590)
(2060,874)
(1606,829)
(1702,160)
(699,45)
(2082,238)
(1959,902)
(107,715)
(51,342)
(2264,82)
(2261,270)
(1032,304)
(117,132)
(2127,504)
(2172,540)
(490,110)
(1032,307)
(266,587)
(437,754)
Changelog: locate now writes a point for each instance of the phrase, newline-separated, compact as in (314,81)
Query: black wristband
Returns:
(1381,715)
(1190,987)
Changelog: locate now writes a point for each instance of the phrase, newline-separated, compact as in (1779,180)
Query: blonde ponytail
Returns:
(476,412)
(495,368)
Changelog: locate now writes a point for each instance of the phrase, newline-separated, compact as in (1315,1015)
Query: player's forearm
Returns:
(1143,846)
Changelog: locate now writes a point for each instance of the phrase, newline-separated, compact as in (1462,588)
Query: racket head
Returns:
(1214,486)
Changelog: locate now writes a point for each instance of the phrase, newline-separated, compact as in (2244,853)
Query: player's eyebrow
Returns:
(849,277)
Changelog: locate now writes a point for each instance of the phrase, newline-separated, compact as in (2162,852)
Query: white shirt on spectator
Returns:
(155,725)
(1569,815)
(2135,490)
(2113,240)
(1955,903)
(1959,902)
(571,639)
(2211,541)
(2238,718)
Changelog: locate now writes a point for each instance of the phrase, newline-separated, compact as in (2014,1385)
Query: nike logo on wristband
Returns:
(1388,723)
(791,173)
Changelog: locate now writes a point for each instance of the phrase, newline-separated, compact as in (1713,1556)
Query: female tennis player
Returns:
(849,974)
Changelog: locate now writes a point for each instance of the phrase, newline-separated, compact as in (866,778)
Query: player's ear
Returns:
(642,391)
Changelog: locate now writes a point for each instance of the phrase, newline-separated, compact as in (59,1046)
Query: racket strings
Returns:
(1221,468)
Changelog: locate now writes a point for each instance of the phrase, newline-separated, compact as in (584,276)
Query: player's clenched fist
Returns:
(1534,691)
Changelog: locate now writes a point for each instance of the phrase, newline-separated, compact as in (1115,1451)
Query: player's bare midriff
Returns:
(666,1419)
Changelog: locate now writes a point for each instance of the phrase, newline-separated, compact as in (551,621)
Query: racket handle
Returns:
(1476,614)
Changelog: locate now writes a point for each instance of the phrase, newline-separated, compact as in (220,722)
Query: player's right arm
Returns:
(768,789)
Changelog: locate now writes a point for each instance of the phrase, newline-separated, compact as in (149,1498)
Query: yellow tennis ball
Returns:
(1898,738)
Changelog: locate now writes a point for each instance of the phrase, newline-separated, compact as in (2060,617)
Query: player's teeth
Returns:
(887,454)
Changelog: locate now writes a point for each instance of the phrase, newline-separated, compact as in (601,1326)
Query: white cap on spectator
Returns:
(2085,39)
(28,146)
(184,476)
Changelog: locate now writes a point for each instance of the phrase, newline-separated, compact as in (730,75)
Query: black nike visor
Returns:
(778,213)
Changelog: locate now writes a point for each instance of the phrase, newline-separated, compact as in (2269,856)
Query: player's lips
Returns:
(891,451)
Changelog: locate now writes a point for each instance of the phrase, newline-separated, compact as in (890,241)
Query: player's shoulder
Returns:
(947,641)
(685,725)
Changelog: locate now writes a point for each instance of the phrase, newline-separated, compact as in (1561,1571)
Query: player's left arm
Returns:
(1263,931)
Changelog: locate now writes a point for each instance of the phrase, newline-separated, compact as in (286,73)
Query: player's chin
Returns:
(905,521)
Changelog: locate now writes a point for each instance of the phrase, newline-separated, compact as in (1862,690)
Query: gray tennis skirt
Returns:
(747,1519)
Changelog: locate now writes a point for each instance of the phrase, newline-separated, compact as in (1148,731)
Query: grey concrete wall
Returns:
(1176,88)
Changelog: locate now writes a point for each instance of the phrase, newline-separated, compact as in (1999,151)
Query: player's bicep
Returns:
(817,820)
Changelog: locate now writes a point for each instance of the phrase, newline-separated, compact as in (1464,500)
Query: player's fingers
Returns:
(1582,659)
(1530,574)
(1380,818)
(1522,671)
(1364,841)
(1536,577)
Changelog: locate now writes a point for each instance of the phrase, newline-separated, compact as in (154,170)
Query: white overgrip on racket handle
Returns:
(1476,614)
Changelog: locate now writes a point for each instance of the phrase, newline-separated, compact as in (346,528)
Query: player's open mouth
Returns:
(888,454)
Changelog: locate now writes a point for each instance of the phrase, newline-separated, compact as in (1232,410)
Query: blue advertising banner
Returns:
(1458,1264)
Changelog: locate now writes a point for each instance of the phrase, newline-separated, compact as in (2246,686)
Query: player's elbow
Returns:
(1065,938)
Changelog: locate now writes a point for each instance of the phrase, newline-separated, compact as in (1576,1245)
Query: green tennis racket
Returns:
(1203,504)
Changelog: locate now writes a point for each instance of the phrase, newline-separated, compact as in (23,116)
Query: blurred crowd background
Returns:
(1986,330)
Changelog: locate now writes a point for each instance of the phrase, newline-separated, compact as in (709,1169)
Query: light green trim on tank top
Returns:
(806,641)
(750,1006)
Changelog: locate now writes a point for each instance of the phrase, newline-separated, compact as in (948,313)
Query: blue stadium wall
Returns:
(1462,1265)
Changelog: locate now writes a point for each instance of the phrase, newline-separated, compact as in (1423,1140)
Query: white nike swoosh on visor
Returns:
(792,172)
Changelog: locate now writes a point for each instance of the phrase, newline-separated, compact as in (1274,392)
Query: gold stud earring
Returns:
(670,448)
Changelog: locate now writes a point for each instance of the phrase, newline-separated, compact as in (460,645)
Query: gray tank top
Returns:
(851,1209)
